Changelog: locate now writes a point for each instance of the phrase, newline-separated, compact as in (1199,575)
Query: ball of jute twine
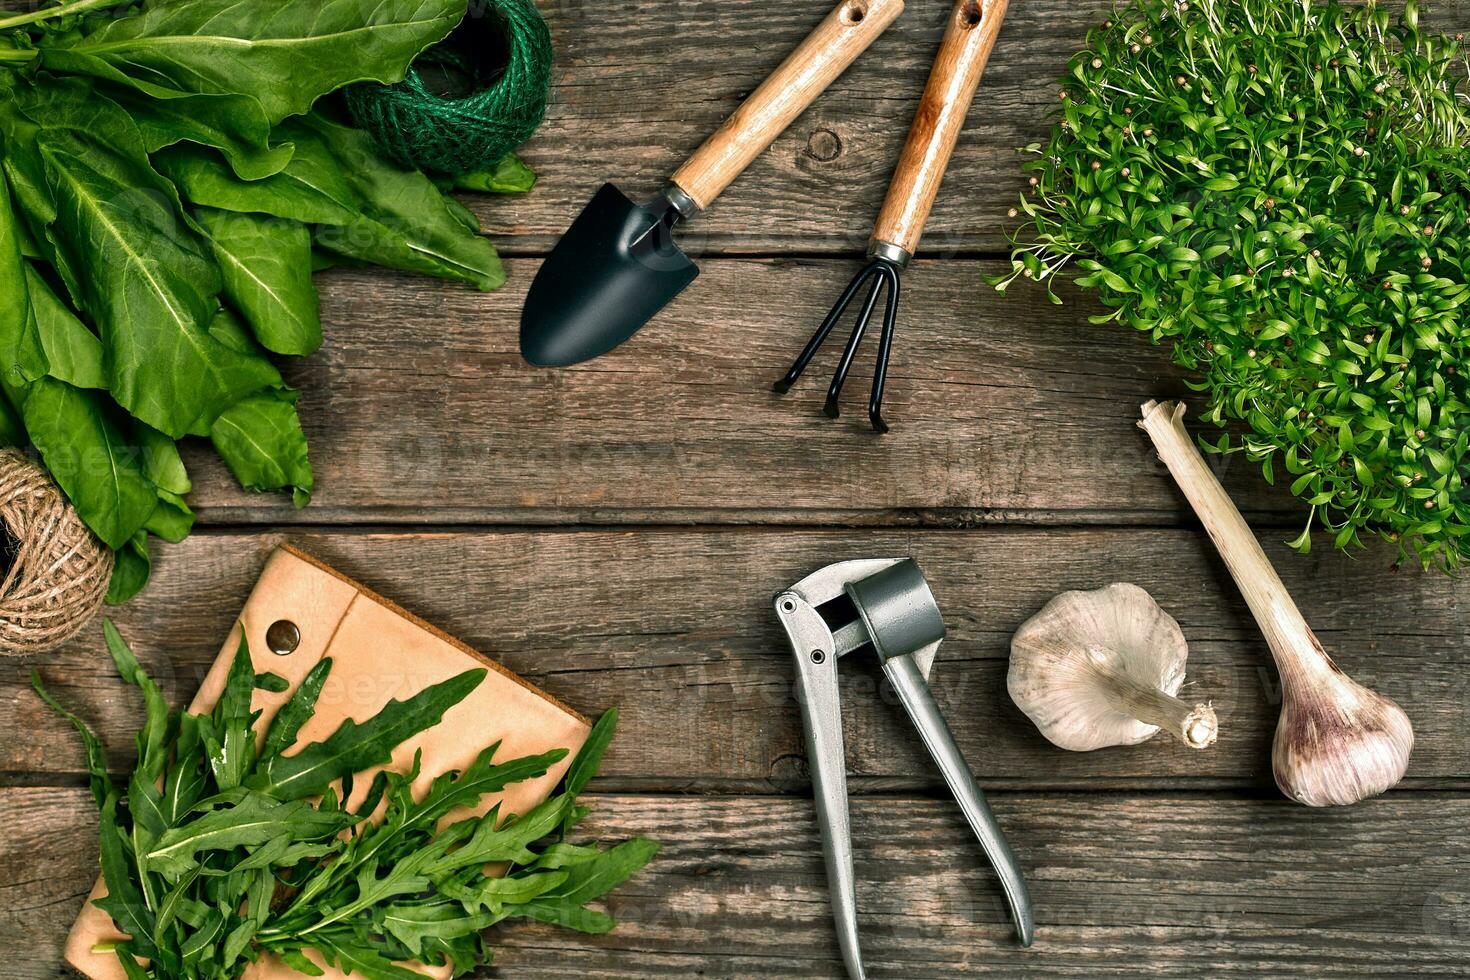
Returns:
(55,571)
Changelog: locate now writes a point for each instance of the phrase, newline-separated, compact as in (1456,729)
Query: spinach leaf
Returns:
(146,280)
(72,351)
(261,441)
(12,430)
(161,460)
(509,176)
(310,189)
(407,223)
(266,265)
(233,124)
(171,520)
(354,747)
(90,454)
(285,56)
(22,356)
(131,569)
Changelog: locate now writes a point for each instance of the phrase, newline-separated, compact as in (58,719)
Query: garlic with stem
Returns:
(1337,742)
(1102,668)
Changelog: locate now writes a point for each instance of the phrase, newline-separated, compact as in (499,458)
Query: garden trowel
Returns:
(618,264)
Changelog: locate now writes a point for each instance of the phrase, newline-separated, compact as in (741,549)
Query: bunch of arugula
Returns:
(1281,191)
(170,180)
(214,855)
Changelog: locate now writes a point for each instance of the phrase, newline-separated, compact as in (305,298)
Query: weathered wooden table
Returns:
(614,532)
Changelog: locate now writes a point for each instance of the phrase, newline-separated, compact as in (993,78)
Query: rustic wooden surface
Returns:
(614,532)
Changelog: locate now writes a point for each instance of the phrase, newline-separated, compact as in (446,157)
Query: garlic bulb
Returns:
(1102,668)
(1336,741)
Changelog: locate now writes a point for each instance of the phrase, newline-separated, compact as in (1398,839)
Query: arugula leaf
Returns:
(152,752)
(124,898)
(588,881)
(185,781)
(266,265)
(229,739)
(261,441)
(412,924)
(257,819)
(354,747)
(363,961)
(285,57)
(286,725)
(97,776)
(195,870)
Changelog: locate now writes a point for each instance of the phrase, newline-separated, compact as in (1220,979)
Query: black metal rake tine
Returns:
(885,347)
(881,272)
(820,337)
(839,379)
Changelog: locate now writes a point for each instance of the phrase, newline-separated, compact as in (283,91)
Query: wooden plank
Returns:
(1164,886)
(420,409)
(675,626)
(639,85)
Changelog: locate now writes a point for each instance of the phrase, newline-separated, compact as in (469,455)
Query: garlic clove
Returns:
(1102,668)
(1338,742)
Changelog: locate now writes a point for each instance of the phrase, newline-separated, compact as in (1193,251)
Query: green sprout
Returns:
(1280,191)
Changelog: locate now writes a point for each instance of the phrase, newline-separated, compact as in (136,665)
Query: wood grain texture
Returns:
(848,31)
(419,408)
(973,28)
(820,186)
(675,627)
(1165,885)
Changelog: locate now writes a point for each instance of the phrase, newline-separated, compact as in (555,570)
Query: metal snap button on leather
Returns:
(283,637)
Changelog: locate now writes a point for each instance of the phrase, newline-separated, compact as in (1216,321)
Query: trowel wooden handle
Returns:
(973,27)
(836,43)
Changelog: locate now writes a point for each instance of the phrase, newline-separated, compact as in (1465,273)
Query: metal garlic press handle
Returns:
(918,701)
(821,707)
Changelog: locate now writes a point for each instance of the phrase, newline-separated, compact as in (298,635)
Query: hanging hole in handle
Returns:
(854,13)
(972,15)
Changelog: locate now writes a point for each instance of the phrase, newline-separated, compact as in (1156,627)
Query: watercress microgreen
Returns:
(1279,190)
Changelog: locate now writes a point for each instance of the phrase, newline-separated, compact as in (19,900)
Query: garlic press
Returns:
(883,606)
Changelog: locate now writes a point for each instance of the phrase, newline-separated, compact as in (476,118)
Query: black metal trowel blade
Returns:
(611,272)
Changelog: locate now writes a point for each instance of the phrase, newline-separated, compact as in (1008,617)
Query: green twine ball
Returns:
(498,65)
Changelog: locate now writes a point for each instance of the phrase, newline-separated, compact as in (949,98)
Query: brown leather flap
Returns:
(379,652)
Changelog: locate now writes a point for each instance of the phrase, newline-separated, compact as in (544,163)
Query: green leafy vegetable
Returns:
(1280,191)
(215,857)
(509,176)
(172,176)
(284,57)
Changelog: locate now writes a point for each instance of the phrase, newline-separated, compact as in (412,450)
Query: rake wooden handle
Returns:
(836,43)
(973,28)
